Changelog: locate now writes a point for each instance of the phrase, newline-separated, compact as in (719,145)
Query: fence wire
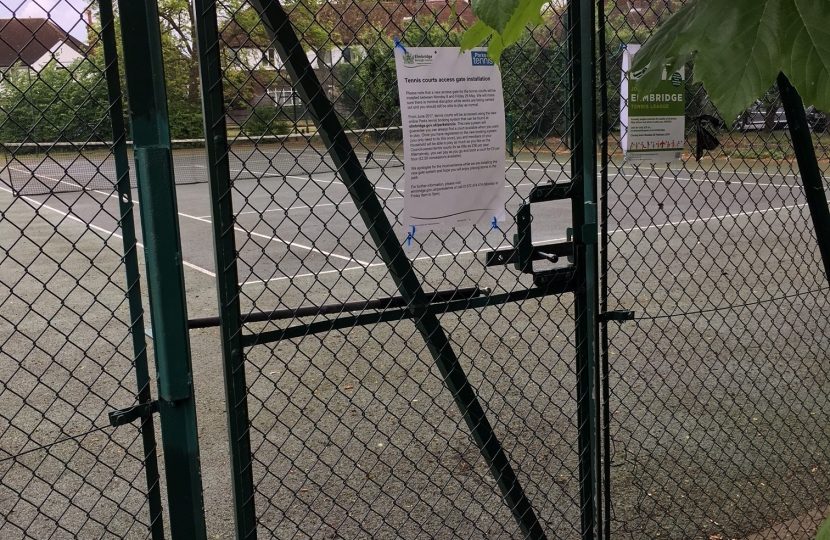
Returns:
(67,353)
(717,388)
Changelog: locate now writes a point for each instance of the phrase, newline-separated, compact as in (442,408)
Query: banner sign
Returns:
(653,125)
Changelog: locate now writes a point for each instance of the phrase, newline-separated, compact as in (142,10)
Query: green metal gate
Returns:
(378,384)
(637,352)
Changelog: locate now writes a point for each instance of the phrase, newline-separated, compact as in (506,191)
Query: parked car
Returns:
(817,120)
(755,119)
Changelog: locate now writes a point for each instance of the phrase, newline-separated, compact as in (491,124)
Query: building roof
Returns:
(348,19)
(26,40)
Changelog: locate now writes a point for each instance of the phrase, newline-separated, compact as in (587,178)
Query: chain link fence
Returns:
(342,389)
(353,430)
(72,345)
(718,387)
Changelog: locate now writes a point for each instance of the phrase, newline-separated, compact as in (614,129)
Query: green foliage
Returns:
(266,119)
(740,46)
(368,87)
(533,78)
(824,531)
(503,21)
(57,104)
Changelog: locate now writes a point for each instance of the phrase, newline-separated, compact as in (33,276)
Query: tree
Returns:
(56,104)
(739,47)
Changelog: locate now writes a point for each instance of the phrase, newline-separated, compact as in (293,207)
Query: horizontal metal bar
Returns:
(510,255)
(330,309)
(121,417)
(618,315)
(293,332)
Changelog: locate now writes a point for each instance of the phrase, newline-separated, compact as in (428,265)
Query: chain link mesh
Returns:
(67,356)
(717,389)
(353,432)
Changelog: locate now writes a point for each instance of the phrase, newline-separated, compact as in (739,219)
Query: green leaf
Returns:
(741,47)
(528,11)
(824,531)
(495,13)
(525,11)
(495,48)
(806,48)
(475,35)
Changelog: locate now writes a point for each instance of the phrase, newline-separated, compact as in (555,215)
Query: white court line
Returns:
(36,175)
(260,235)
(239,229)
(37,205)
(299,207)
(280,241)
(305,207)
(460,253)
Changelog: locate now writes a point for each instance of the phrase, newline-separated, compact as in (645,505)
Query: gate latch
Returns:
(524,253)
(131,414)
(619,315)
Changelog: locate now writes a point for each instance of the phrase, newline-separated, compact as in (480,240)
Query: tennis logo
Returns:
(676,79)
(480,58)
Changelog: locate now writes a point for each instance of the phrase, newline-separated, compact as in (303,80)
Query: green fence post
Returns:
(150,127)
(584,172)
(227,285)
(510,136)
(125,203)
(808,167)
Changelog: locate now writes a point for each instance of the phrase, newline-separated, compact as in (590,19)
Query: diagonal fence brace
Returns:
(279,29)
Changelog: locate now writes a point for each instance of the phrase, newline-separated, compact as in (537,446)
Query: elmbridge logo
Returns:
(416,60)
(480,58)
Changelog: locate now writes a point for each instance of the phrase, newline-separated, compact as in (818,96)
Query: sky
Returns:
(68,14)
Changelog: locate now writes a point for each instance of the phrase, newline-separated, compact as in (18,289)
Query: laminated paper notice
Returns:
(452,109)
(654,124)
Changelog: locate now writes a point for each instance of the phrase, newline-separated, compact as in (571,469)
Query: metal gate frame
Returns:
(416,304)
(176,406)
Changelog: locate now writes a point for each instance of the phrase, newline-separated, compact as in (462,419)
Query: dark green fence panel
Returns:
(77,444)
(715,392)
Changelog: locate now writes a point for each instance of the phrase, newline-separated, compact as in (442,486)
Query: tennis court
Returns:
(709,236)
(303,222)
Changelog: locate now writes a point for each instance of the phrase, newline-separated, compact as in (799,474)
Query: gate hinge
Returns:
(131,414)
(620,315)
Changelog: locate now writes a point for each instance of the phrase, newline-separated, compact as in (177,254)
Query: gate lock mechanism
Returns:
(524,252)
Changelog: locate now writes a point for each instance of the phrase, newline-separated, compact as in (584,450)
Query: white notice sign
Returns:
(452,109)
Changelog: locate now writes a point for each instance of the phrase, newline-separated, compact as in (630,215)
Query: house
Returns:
(33,42)
(348,21)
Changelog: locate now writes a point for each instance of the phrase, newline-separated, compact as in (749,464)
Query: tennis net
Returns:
(38,168)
